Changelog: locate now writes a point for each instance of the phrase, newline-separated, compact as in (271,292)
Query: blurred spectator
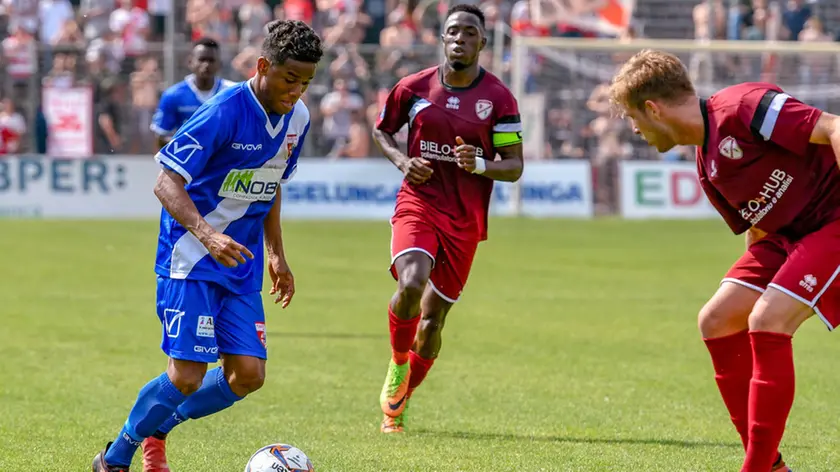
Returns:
(252,16)
(108,123)
(145,88)
(794,17)
(131,24)
(20,53)
(22,13)
(336,108)
(158,10)
(358,137)
(12,127)
(97,15)
(53,14)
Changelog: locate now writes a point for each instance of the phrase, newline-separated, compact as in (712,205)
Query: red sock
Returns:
(419,368)
(771,397)
(732,360)
(402,335)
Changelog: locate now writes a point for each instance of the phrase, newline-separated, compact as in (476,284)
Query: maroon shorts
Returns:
(452,257)
(806,269)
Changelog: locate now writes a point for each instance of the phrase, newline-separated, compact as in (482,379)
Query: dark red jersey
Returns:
(436,114)
(758,167)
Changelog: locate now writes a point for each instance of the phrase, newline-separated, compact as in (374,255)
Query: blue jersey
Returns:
(233,155)
(179,102)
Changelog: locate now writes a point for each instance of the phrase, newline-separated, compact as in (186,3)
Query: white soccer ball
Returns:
(279,458)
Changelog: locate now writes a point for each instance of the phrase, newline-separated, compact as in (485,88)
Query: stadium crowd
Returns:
(116,47)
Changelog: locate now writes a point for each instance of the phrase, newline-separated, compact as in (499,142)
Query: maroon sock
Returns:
(402,335)
(419,368)
(732,360)
(771,397)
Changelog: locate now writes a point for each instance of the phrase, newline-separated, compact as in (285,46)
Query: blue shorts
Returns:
(202,320)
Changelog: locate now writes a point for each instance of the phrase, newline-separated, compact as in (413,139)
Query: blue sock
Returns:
(214,396)
(155,403)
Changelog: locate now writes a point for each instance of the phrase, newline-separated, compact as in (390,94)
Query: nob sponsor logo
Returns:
(442,152)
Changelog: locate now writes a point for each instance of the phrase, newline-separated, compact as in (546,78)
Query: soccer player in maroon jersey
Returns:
(460,118)
(768,163)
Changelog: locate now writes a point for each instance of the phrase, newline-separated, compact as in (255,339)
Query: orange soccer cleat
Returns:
(394,394)
(154,455)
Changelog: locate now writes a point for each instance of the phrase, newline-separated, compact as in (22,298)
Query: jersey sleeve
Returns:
(192,146)
(165,119)
(507,125)
(730,215)
(395,113)
(291,167)
(779,118)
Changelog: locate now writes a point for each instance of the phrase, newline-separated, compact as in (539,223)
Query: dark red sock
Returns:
(419,368)
(732,360)
(771,397)
(402,335)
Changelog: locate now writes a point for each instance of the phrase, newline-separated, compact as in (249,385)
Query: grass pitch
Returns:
(574,348)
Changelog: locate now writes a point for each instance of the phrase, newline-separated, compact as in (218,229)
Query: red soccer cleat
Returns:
(154,455)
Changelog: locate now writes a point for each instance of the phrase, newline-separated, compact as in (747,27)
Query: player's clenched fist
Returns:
(464,155)
(417,170)
(224,249)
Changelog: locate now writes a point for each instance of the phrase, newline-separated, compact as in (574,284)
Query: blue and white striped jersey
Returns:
(233,155)
(180,101)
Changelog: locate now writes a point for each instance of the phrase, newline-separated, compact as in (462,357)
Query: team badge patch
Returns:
(261,332)
(291,142)
(483,108)
(205,327)
(729,148)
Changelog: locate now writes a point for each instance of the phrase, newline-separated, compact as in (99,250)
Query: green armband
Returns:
(506,139)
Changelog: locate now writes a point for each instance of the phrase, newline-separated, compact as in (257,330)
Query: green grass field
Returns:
(574,348)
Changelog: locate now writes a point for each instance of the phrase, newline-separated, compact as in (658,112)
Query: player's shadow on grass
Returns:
(571,439)
(325,335)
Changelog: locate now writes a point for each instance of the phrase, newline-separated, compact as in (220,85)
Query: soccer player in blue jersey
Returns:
(220,191)
(181,100)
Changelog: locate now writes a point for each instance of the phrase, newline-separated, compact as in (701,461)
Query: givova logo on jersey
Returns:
(251,184)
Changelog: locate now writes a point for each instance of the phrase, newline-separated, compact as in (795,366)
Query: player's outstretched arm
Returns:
(282,280)
(169,189)
(416,170)
(508,169)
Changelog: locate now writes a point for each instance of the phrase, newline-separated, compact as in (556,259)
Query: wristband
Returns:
(480,166)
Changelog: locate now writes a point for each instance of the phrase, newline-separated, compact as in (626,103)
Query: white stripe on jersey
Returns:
(769,123)
(508,128)
(187,251)
(418,106)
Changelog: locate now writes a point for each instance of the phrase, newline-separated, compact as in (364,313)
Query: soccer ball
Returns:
(279,458)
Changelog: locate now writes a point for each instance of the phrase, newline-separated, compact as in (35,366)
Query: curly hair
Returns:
(467,8)
(286,39)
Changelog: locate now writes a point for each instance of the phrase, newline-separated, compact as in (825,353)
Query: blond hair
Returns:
(650,75)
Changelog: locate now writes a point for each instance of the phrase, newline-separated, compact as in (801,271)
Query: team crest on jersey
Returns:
(729,148)
(291,142)
(483,108)
(260,327)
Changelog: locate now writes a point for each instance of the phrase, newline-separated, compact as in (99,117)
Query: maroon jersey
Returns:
(758,167)
(436,113)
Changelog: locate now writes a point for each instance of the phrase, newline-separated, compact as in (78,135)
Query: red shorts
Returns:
(452,257)
(806,269)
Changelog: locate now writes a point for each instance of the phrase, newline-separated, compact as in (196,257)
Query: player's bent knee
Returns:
(777,312)
(727,311)
(431,322)
(187,376)
(247,378)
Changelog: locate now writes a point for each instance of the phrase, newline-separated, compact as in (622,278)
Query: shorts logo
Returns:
(808,283)
(483,108)
(260,327)
(205,327)
(206,349)
(172,322)
(729,148)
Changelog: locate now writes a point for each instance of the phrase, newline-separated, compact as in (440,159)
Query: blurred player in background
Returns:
(768,164)
(459,118)
(181,100)
(220,190)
